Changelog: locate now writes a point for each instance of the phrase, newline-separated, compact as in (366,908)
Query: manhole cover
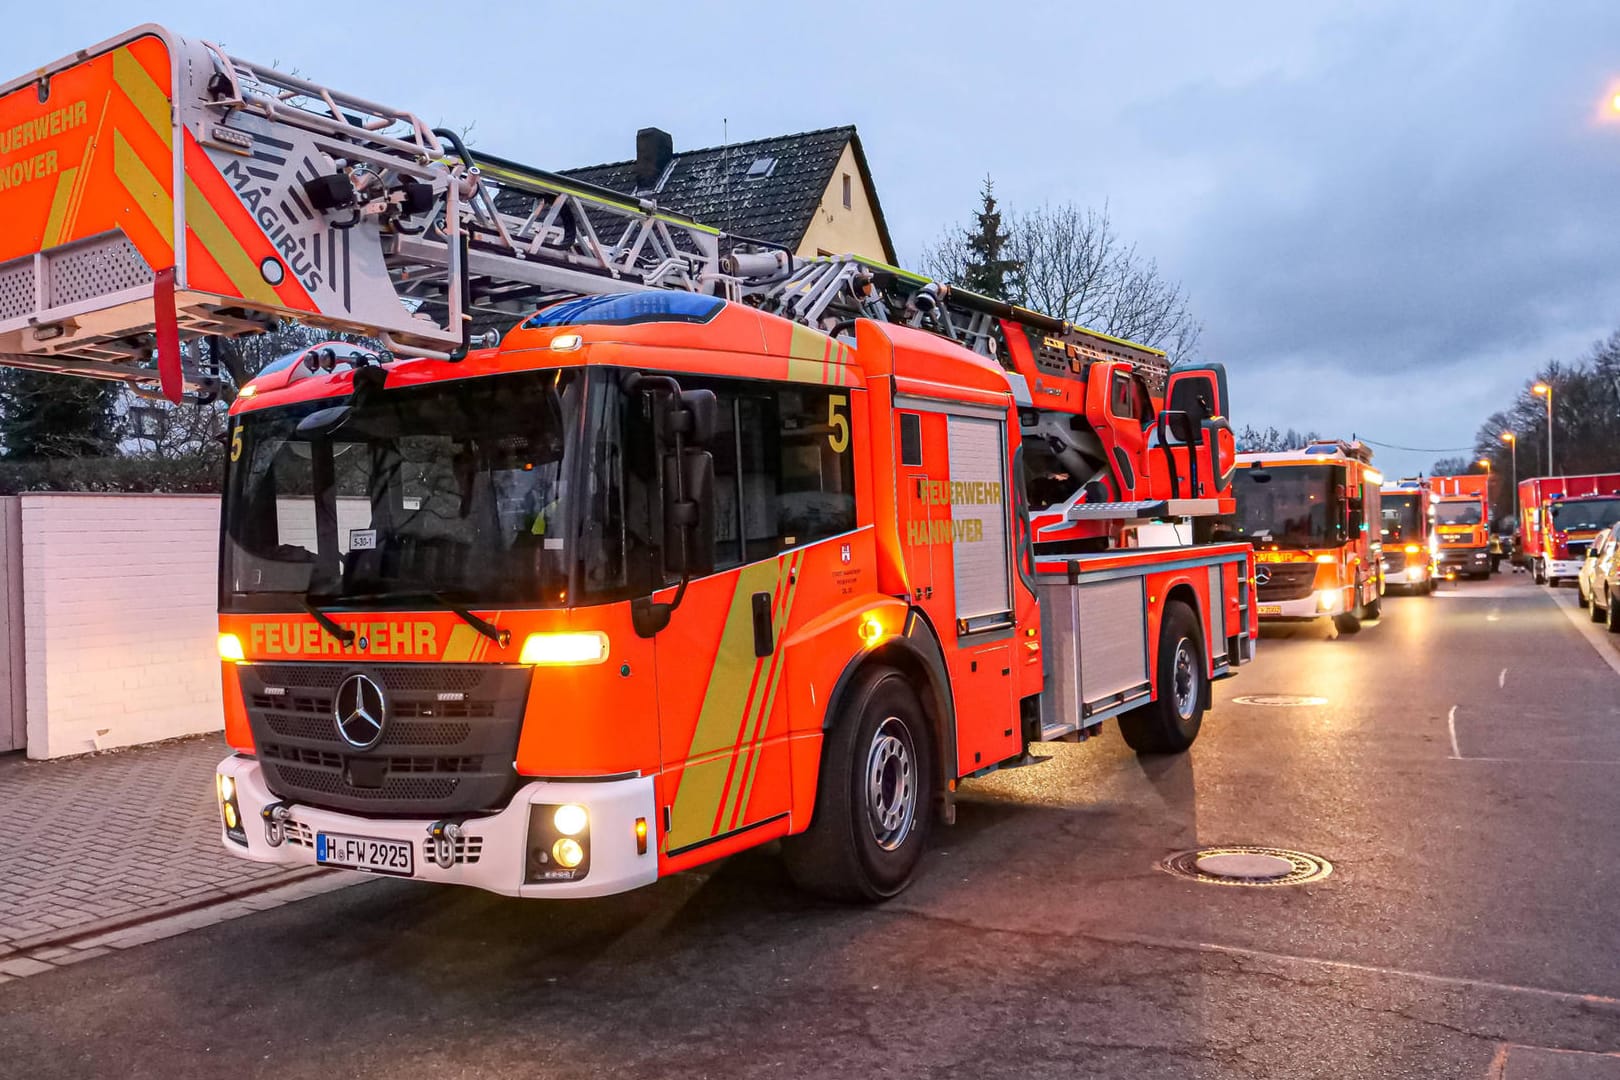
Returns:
(1245,864)
(1279,701)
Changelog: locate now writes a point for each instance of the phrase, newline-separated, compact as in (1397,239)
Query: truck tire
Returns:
(1375,609)
(1538,572)
(1170,724)
(1347,622)
(874,799)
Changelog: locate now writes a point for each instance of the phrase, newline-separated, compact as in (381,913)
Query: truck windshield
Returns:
(1458,513)
(1287,506)
(1402,518)
(470,490)
(1584,514)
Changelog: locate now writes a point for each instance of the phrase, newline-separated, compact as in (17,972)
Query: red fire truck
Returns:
(1307,512)
(1408,537)
(1559,516)
(712,547)
(1462,524)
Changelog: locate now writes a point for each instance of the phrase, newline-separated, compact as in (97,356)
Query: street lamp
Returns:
(1545,390)
(1513,444)
(1485,461)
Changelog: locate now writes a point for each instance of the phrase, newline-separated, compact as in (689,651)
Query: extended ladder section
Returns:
(158,189)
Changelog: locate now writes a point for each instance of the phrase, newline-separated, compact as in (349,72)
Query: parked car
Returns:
(1587,581)
(1606,581)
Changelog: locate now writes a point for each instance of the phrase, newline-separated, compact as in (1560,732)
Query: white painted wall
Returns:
(119,602)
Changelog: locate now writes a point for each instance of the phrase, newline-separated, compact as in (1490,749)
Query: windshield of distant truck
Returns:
(1569,516)
(1402,518)
(1458,513)
(1287,506)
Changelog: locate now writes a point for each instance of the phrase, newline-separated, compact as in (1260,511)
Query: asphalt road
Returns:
(1461,778)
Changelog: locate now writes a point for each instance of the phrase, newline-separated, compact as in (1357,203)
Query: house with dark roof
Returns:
(811,193)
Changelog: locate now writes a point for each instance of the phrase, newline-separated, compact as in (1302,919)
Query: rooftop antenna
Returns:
(725,169)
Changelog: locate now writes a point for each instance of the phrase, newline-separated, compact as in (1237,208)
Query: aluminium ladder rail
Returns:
(338,212)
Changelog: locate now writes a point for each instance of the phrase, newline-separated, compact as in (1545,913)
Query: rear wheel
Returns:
(1376,608)
(1593,611)
(1170,723)
(1538,572)
(1611,622)
(875,798)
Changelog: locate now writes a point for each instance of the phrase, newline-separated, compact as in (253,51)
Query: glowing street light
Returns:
(1485,461)
(1513,444)
(1545,390)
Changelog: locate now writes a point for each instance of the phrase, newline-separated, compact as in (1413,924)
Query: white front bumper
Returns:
(1303,608)
(1412,575)
(614,806)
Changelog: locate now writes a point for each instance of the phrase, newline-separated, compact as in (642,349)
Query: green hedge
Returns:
(194,474)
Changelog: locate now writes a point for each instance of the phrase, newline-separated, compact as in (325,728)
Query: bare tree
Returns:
(1073,265)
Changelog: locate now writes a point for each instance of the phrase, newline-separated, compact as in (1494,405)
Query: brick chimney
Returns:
(655,149)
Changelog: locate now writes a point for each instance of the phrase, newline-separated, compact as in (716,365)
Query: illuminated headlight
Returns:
(1327,600)
(566,649)
(570,820)
(1416,571)
(567,853)
(230,647)
(229,810)
(559,847)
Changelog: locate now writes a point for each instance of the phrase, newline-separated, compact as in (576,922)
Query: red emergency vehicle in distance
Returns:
(1559,516)
(1407,532)
(1307,512)
(1462,524)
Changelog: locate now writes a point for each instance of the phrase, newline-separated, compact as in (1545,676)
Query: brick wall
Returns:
(119,602)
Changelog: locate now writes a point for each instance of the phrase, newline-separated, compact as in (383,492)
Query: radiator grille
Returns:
(434,757)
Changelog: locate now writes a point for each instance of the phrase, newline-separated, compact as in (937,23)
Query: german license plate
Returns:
(1271,609)
(363,853)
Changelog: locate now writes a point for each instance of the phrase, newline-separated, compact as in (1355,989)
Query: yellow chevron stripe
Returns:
(458,648)
(764,717)
(226,249)
(144,188)
(60,198)
(147,97)
(703,785)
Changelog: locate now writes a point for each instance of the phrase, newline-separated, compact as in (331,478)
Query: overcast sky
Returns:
(1386,213)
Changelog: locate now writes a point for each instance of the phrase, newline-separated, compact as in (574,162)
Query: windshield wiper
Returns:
(345,637)
(501,637)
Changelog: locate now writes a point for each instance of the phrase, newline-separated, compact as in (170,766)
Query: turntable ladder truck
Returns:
(636,544)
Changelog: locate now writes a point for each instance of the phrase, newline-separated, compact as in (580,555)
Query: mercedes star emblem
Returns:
(1262,574)
(359,711)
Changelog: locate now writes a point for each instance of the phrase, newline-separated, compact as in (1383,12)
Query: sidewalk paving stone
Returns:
(111,837)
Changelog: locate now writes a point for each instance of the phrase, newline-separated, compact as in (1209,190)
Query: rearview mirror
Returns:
(324,421)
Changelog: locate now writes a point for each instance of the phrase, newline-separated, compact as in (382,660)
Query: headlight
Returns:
(225,788)
(230,647)
(1327,600)
(564,649)
(570,820)
(567,853)
(559,844)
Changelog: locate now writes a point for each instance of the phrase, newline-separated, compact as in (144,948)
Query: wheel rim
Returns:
(1184,679)
(891,784)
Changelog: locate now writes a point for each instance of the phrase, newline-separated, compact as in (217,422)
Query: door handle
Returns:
(764,633)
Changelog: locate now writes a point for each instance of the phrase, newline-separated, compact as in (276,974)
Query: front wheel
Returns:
(1538,573)
(1593,611)
(1611,622)
(1375,609)
(1347,623)
(1170,723)
(874,799)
